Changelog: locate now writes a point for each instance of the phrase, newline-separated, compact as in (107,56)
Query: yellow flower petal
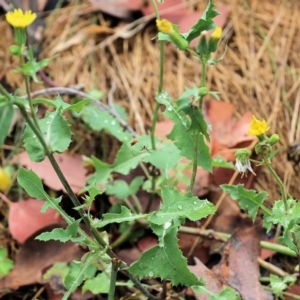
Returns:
(18,19)
(217,34)
(5,180)
(164,26)
(258,127)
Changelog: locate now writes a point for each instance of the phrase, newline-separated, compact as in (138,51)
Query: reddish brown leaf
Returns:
(71,166)
(25,218)
(239,267)
(212,281)
(34,257)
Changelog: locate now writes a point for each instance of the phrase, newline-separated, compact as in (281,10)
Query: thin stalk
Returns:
(33,115)
(195,160)
(123,237)
(221,235)
(196,137)
(113,278)
(279,182)
(157,105)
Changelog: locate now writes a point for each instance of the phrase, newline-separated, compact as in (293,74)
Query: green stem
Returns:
(196,137)
(157,105)
(137,203)
(27,86)
(215,234)
(283,293)
(279,182)
(195,160)
(123,237)
(113,278)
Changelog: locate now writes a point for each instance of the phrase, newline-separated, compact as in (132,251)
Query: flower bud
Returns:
(273,139)
(166,27)
(14,49)
(202,47)
(243,154)
(214,39)
(203,91)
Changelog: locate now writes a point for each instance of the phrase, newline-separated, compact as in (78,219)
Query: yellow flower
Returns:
(19,19)
(164,26)
(258,127)
(217,34)
(5,180)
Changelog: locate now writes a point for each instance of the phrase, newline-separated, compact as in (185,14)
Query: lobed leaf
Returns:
(124,216)
(249,200)
(165,262)
(175,204)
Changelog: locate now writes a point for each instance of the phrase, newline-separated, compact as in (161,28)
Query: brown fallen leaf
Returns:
(71,166)
(239,267)
(228,132)
(34,257)
(212,281)
(25,218)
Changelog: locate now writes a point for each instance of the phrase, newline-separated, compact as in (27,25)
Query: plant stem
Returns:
(113,278)
(221,235)
(279,182)
(157,105)
(195,160)
(196,137)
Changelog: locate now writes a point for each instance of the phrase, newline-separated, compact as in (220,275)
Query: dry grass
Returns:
(260,72)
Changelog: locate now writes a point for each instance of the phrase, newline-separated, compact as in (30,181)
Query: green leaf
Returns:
(165,158)
(204,23)
(100,120)
(278,285)
(56,132)
(128,158)
(5,263)
(79,272)
(122,190)
(97,285)
(249,200)
(32,184)
(220,162)
(62,106)
(184,140)
(165,262)
(226,294)
(198,124)
(288,219)
(33,146)
(6,116)
(62,235)
(31,67)
(124,216)
(102,171)
(175,204)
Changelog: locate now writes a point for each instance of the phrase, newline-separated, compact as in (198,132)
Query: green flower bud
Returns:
(243,154)
(179,41)
(15,50)
(203,91)
(263,147)
(274,139)
(214,40)
(202,47)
